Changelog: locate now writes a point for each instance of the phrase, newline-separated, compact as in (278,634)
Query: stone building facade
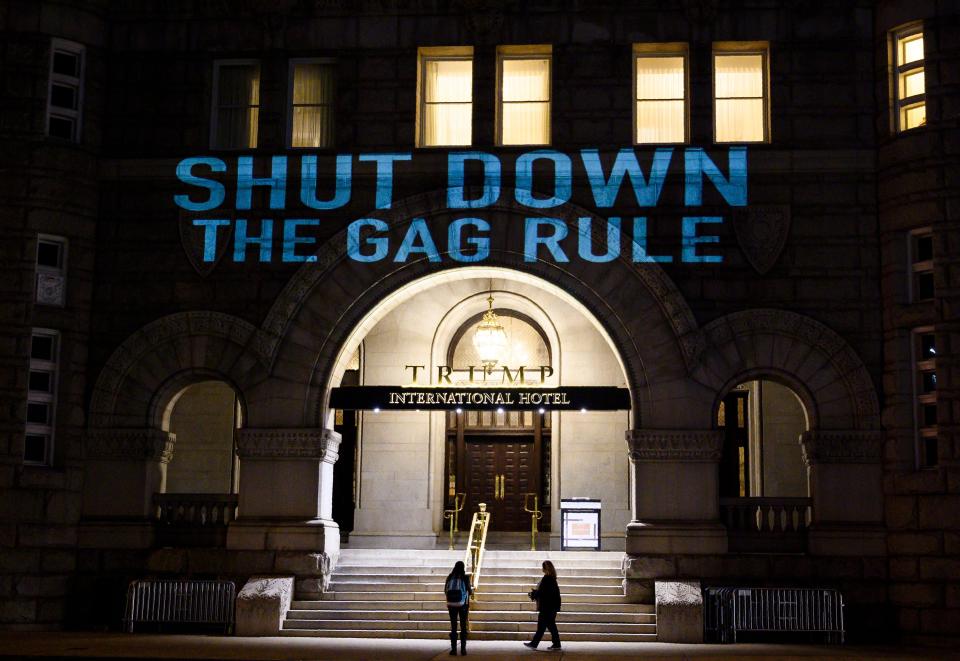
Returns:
(835,280)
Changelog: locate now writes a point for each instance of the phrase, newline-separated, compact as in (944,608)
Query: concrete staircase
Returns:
(386,593)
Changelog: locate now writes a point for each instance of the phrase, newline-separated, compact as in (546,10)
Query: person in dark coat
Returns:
(458,590)
(547,596)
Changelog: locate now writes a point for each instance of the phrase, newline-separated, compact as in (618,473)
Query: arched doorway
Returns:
(412,463)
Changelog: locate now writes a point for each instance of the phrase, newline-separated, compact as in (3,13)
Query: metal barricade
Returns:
(732,611)
(180,602)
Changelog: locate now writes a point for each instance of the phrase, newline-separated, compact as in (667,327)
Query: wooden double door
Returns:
(500,470)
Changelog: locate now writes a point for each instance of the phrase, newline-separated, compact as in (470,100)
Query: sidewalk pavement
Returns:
(64,645)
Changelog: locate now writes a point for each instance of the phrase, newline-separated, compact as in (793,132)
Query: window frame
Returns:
(665,49)
(923,434)
(291,73)
(215,105)
(901,104)
(523,52)
(426,54)
(726,48)
(47,429)
(918,267)
(76,116)
(42,269)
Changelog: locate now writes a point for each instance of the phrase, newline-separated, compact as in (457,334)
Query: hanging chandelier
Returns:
(490,340)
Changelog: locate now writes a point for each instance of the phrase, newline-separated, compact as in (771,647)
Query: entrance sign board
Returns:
(400,398)
(579,524)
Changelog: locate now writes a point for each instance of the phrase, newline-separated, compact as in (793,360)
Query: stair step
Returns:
(331,604)
(475,616)
(521,588)
(533,572)
(475,626)
(479,635)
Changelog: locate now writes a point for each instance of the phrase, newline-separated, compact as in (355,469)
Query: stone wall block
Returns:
(679,606)
(262,604)
(939,512)
(168,561)
(904,568)
(915,594)
(19,561)
(303,564)
(939,568)
(914,543)
(940,621)
(648,567)
(18,611)
(637,591)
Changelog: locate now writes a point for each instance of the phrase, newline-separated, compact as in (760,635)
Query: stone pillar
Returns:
(286,491)
(845,475)
(676,500)
(123,469)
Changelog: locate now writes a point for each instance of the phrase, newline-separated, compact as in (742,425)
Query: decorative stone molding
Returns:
(762,233)
(842,447)
(322,444)
(149,444)
(724,336)
(154,339)
(694,445)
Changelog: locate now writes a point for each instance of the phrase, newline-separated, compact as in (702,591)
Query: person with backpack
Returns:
(458,590)
(547,596)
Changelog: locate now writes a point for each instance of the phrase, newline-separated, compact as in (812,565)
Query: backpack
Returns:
(457,593)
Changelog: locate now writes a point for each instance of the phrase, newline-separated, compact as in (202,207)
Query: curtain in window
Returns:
(238,106)
(312,105)
(660,100)
(739,98)
(447,102)
(525,96)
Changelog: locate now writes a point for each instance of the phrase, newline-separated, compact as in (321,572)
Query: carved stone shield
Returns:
(762,232)
(192,239)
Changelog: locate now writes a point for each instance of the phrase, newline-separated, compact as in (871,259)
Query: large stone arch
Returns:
(168,354)
(639,307)
(813,360)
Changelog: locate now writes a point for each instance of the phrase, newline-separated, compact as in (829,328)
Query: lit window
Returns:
(51,269)
(909,86)
(661,84)
(65,93)
(236,105)
(445,109)
(925,389)
(740,95)
(921,265)
(41,397)
(523,116)
(311,104)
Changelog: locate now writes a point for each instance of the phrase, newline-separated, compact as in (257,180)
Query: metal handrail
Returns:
(535,515)
(459,500)
(476,545)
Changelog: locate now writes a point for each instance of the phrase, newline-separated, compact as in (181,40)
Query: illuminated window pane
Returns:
(739,120)
(525,101)
(526,124)
(660,99)
(660,121)
(913,116)
(312,105)
(739,76)
(447,124)
(911,48)
(739,104)
(447,102)
(912,83)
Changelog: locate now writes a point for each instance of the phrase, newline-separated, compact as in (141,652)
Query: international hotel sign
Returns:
(481,389)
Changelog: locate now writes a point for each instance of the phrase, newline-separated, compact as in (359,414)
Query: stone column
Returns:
(676,501)
(845,476)
(286,491)
(123,469)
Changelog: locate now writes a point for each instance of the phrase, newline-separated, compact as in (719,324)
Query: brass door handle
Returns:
(503,486)
(496,487)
